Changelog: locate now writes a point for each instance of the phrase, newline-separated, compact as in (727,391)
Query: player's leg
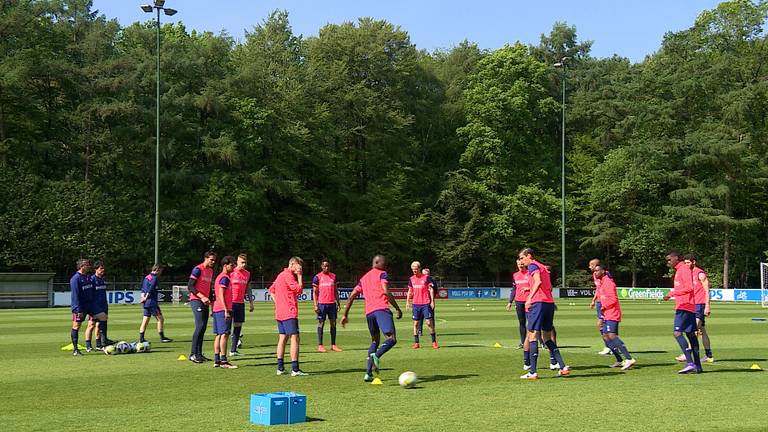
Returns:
(144,321)
(693,341)
(417,323)
(223,340)
(702,329)
(216,346)
(88,332)
(161,325)
(373,329)
(387,326)
(280,350)
(520,310)
(295,369)
(320,329)
(200,315)
(74,333)
(238,318)
(431,326)
(550,337)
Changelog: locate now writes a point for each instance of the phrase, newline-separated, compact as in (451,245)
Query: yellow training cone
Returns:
(756,367)
(497,345)
(181,357)
(377,381)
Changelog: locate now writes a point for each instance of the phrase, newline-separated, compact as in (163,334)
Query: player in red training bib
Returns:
(285,291)
(374,286)
(685,313)
(240,279)
(325,298)
(517,299)
(222,313)
(421,290)
(701,298)
(540,308)
(611,318)
(199,286)
(595,303)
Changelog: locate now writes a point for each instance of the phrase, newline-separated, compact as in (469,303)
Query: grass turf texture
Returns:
(467,383)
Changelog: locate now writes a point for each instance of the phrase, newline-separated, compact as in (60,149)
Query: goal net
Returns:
(763,283)
(179,292)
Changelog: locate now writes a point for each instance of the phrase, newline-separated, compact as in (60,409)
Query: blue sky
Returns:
(630,28)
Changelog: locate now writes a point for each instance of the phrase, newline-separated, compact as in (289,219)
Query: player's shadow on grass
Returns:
(740,359)
(463,346)
(434,378)
(709,371)
(574,346)
(458,334)
(649,352)
(314,419)
(344,371)
(274,363)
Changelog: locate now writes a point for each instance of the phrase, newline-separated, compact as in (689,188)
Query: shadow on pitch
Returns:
(458,334)
(464,346)
(740,360)
(314,419)
(345,371)
(650,352)
(574,346)
(709,371)
(434,378)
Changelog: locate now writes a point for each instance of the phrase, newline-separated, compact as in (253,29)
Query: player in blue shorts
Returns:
(421,291)
(374,286)
(149,291)
(81,286)
(99,306)
(325,298)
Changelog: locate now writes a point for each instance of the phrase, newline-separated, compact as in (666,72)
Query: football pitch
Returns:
(466,384)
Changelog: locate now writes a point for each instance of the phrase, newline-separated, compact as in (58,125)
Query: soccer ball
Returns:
(123,347)
(138,347)
(109,349)
(146,346)
(407,379)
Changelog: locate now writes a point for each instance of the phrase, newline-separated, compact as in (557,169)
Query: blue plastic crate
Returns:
(297,406)
(269,409)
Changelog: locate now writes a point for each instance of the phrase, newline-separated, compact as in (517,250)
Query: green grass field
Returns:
(466,384)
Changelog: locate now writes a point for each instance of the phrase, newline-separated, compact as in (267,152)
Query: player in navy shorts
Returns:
(80,302)
(149,294)
(99,308)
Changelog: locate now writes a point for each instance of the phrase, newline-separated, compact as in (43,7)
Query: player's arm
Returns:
(391,298)
(144,293)
(316,293)
(511,301)
(705,284)
(75,302)
(431,296)
(535,285)
(192,286)
(350,300)
(408,296)
(336,295)
(220,293)
(249,290)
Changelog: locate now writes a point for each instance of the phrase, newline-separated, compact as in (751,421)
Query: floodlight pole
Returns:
(562,64)
(157,7)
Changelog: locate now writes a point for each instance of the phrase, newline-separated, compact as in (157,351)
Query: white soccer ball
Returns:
(146,346)
(139,347)
(407,379)
(123,347)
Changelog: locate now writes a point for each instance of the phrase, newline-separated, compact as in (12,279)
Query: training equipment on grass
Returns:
(278,408)
(407,379)
(497,345)
(110,349)
(377,381)
(70,347)
(756,367)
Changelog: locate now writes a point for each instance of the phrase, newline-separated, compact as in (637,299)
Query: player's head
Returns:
(599,270)
(98,268)
(520,265)
(416,267)
(526,255)
(673,258)
(83,265)
(242,261)
(296,264)
(325,266)
(379,262)
(228,263)
(157,269)
(593,263)
(209,259)
(690,260)
(425,271)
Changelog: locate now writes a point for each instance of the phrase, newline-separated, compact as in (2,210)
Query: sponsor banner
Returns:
(642,293)
(474,293)
(577,293)
(720,295)
(113,297)
(747,295)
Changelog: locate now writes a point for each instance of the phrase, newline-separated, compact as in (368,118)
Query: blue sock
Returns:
(223,358)
(434,337)
(554,352)
(695,349)
(371,350)
(416,338)
(534,353)
(684,346)
(552,359)
(102,333)
(333,335)
(141,337)
(623,348)
(88,343)
(216,358)
(421,326)
(614,347)
(236,337)
(320,334)
(295,365)
(280,364)
(708,352)
(386,346)
(527,358)
(74,334)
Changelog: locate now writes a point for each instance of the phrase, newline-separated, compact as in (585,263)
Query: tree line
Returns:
(355,142)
